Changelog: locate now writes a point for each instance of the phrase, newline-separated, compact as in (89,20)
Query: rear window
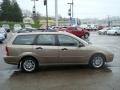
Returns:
(24,40)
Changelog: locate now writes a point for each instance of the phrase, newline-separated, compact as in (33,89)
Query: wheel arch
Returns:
(21,59)
(97,54)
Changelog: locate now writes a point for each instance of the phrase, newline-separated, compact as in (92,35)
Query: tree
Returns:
(10,11)
(5,10)
(17,13)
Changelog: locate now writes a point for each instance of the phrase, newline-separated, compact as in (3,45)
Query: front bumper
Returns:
(109,58)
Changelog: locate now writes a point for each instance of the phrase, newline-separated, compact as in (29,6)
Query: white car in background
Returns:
(3,31)
(114,31)
(2,37)
(6,27)
(104,30)
(17,28)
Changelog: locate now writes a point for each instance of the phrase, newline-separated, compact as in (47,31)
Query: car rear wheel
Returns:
(116,33)
(97,61)
(29,64)
(1,42)
(86,35)
(105,32)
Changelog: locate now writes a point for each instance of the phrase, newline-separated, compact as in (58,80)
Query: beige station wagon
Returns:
(29,50)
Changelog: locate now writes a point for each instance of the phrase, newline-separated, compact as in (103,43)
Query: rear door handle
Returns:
(64,49)
(39,48)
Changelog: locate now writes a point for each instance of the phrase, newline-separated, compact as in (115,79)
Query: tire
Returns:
(105,33)
(97,61)
(81,37)
(1,42)
(29,64)
(86,35)
(99,33)
(116,34)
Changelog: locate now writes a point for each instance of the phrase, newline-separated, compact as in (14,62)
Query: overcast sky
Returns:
(82,8)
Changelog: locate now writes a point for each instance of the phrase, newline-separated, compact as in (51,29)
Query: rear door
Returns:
(46,49)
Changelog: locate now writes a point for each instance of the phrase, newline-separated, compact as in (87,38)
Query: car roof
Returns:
(60,32)
(14,35)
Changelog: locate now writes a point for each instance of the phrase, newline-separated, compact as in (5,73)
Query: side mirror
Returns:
(81,45)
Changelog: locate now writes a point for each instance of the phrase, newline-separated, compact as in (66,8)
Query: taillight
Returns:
(7,51)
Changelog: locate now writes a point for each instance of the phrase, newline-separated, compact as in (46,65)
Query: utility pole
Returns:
(109,22)
(46,4)
(69,13)
(56,12)
(72,9)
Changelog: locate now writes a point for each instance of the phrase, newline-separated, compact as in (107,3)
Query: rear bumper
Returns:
(11,60)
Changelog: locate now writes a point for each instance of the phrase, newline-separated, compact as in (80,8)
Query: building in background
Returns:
(28,20)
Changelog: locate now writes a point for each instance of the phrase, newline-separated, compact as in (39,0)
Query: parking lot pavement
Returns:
(66,77)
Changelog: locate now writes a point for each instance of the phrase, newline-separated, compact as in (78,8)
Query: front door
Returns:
(69,50)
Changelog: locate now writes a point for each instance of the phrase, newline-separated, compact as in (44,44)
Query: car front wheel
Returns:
(29,64)
(97,61)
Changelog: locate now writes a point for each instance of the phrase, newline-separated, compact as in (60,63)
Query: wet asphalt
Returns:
(66,77)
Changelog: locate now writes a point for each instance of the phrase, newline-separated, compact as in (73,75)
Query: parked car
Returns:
(100,27)
(17,28)
(104,31)
(27,30)
(76,31)
(2,38)
(114,31)
(6,27)
(3,31)
(89,27)
(29,50)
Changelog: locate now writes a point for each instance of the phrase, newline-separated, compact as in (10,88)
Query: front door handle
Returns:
(64,49)
(39,48)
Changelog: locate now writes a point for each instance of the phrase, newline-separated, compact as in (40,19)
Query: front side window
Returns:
(65,40)
(24,39)
(48,40)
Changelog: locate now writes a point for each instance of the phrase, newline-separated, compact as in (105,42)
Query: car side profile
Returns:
(114,31)
(104,31)
(76,31)
(29,50)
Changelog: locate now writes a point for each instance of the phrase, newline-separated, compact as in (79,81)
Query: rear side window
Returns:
(24,40)
(46,40)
